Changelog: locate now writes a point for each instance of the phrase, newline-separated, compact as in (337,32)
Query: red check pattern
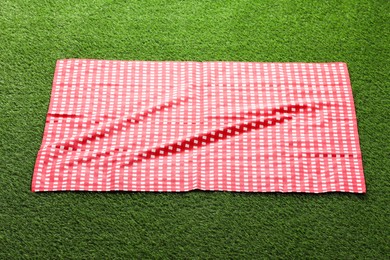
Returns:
(179,126)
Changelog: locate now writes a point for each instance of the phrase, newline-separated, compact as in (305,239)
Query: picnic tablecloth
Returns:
(179,126)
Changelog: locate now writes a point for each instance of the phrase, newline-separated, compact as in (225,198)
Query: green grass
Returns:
(34,34)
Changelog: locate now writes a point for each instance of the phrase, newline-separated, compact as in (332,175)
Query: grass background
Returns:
(34,34)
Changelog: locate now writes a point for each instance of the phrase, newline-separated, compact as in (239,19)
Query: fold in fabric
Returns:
(180,126)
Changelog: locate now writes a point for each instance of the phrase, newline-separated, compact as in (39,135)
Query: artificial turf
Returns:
(34,34)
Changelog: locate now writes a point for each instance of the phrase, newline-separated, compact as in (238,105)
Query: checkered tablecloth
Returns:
(179,126)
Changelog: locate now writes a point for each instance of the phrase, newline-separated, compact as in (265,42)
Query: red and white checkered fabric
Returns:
(178,126)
